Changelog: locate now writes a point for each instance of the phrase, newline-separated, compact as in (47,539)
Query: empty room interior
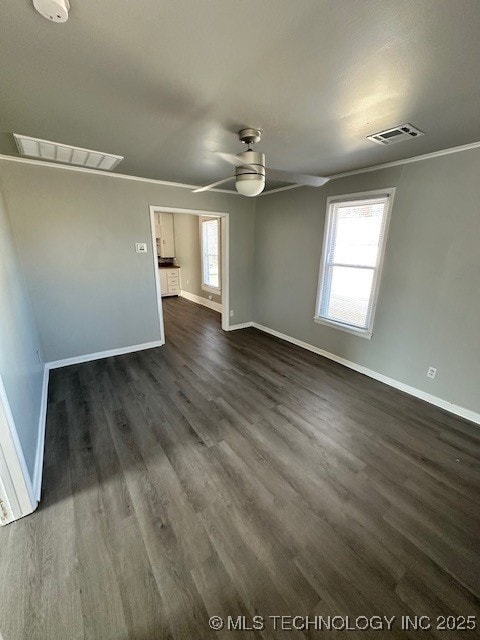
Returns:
(239,319)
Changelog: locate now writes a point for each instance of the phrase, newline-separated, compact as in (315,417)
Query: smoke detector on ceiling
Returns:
(53,10)
(397,134)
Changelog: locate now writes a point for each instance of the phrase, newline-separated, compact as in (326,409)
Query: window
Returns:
(352,257)
(210,253)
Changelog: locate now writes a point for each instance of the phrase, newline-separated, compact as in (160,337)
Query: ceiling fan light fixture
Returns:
(251,187)
(250,177)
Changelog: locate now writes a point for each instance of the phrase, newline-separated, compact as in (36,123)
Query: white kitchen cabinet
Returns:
(169,282)
(164,233)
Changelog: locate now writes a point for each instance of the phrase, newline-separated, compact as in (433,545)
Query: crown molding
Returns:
(108,174)
(181,185)
(386,165)
(396,163)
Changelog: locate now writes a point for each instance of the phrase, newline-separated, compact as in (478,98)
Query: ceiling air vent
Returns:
(55,152)
(397,134)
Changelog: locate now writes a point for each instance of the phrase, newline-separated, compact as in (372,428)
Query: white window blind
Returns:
(351,262)
(210,245)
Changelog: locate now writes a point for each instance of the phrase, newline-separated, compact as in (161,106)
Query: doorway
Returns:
(204,276)
(17,497)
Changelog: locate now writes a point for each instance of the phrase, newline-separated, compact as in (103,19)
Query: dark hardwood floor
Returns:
(235,474)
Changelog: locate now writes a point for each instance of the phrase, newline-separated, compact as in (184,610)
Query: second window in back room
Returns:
(210,253)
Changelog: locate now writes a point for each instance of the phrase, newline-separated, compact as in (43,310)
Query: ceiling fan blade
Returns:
(296,178)
(232,159)
(214,184)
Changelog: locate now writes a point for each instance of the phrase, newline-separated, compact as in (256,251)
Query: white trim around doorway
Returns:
(225,252)
(17,496)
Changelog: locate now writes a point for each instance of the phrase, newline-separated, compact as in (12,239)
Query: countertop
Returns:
(168,266)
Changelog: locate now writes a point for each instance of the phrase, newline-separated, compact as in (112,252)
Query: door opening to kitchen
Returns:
(191,262)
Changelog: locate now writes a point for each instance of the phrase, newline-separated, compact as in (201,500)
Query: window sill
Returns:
(362,333)
(215,290)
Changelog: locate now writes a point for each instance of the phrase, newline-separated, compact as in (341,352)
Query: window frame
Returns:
(203,284)
(367,332)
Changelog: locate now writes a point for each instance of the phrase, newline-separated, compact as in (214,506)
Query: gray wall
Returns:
(76,232)
(91,292)
(21,371)
(187,248)
(428,310)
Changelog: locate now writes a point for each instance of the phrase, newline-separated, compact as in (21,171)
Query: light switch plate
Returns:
(141,247)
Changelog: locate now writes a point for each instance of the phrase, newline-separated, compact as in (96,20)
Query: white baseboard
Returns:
(42,423)
(55,364)
(243,325)
(468,414)
(216,306)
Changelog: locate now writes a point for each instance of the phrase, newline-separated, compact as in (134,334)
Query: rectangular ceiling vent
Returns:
(397,134)
(55,152)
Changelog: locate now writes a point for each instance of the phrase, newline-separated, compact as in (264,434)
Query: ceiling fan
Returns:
(250,169)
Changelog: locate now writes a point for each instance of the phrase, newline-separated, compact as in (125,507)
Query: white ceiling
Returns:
(166,82)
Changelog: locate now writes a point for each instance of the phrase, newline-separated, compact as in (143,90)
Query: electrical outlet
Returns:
(231,313)
(431,372)
(141,247)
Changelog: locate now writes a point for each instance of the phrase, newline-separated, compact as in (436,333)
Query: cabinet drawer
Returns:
(173,278)
(172,272)
(173,288)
